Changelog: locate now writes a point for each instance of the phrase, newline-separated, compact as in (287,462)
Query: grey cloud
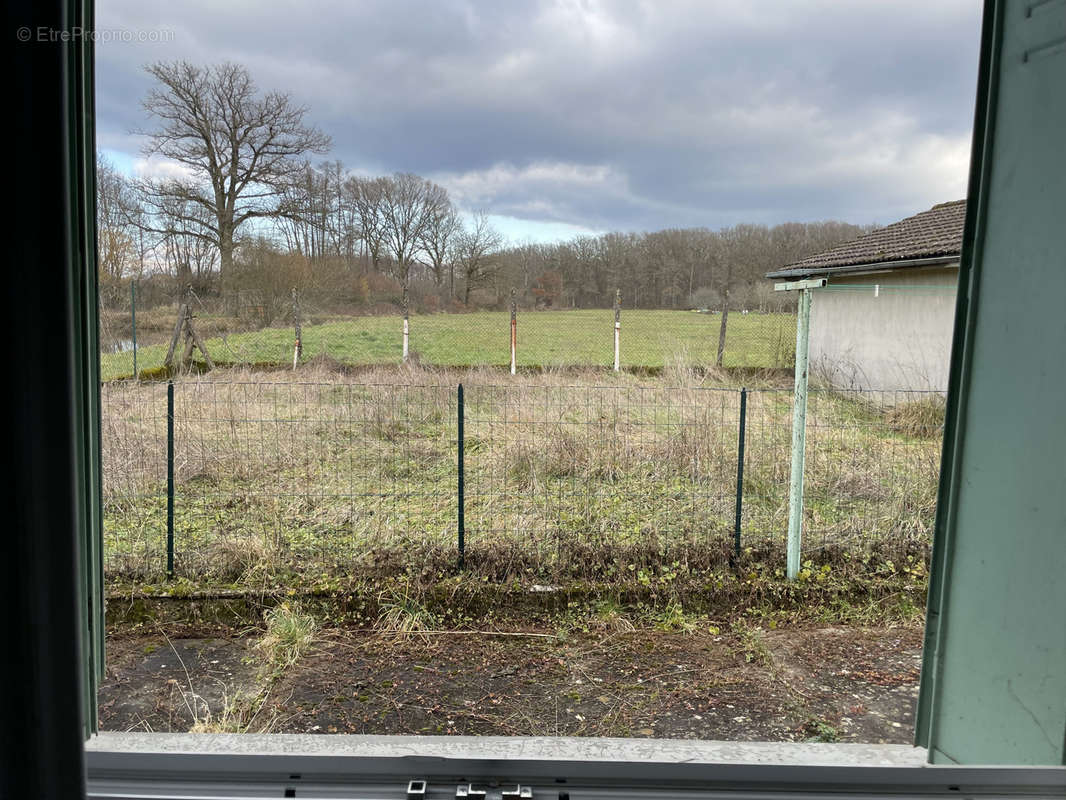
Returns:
(690,113)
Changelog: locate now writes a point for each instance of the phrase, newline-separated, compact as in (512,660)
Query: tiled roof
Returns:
(932,233)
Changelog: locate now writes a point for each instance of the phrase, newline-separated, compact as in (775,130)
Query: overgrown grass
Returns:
(545,338)
(310,478)
(919,419)
(289,634)
(403,615)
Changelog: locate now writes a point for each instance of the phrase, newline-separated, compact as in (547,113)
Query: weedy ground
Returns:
(317,587)
(599,670)
(301,480)
(239,706)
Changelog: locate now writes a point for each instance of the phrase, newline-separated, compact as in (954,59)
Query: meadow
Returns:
(295,478)
(649,339)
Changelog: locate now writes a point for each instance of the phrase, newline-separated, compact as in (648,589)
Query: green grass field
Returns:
(545,339)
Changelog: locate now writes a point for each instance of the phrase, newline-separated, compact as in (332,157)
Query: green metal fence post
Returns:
(133,319)
(170,479)
(799,437)
(740,471)
(461,487)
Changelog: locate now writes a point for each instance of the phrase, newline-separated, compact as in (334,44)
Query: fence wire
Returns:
(330,479)
(239,332)
(571,475)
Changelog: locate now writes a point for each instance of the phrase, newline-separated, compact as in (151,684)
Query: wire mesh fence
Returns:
(873,462)
(576,477)
(296,479)
(238,330)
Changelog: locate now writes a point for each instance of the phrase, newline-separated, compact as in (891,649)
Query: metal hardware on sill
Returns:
(517,793)
(416,790)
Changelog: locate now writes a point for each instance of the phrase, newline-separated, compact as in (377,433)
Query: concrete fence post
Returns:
(799,437)
(799,418)
(617,327)
(406,326)
(298,350)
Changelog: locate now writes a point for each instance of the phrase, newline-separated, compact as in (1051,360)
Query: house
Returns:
(884,318)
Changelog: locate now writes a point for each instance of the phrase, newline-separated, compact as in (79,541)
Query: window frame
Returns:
(381,766)
(241,765)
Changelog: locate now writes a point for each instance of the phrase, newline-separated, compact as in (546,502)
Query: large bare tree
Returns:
(241,149)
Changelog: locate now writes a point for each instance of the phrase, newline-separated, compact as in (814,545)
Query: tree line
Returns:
(673,268)
(244,209)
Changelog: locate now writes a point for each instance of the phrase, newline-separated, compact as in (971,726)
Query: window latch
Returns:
(469,792)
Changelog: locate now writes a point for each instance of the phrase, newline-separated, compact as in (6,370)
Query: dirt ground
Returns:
(796,683)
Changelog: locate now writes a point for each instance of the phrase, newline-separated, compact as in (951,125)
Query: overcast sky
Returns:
(579,116)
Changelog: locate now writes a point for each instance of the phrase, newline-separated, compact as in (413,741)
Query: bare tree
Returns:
(320,219)
(408,205)
(186,254)
(667,268)
(306,222)
(477,252)
(345,227)
(365,195)
(437,240)
(741,260)
(241,149)
(119,240)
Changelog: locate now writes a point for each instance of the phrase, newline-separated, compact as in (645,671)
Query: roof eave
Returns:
(870,266)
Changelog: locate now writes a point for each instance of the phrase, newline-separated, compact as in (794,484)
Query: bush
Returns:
(264,278)
(704,297)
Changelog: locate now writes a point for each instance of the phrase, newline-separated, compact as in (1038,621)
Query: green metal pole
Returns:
(462,481)
(739,512)
(799,436)
(170,479)
(133,314)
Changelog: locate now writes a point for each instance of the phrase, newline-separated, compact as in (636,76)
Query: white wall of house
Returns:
(895,336)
